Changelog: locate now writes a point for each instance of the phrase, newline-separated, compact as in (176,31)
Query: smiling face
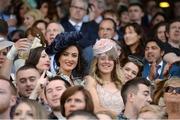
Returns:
(54,90)
(153,52)
(28,21)
(75,102)
(161,33)
(130,71)
(172,98)
(26,81)
(105,64)
(68,60)
(23,112)
(44,62)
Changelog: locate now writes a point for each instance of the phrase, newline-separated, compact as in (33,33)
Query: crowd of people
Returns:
(89,59)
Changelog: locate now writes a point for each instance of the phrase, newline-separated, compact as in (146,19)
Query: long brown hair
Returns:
(71,91)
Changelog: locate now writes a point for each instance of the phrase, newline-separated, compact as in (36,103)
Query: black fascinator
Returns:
(63,40)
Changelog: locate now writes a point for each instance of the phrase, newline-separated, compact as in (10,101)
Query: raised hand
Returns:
(22,44)
(41,83)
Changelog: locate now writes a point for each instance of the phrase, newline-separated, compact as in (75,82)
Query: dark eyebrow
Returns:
(146,91)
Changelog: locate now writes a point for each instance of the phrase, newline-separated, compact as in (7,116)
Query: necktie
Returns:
(157,74)
(77,27)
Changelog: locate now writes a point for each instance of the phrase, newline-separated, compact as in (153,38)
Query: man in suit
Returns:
(77,11)
(155,67)
(107,29)
(153,56)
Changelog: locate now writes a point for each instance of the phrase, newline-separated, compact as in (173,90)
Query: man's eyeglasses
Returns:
(80,8)
(170,89)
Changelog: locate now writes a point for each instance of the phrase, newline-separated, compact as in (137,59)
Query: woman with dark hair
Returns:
(47,7)
(42,25)
(131,67)
(134,40)
(159,32)
(70,60)
(68,56)
(157,18)
(20,11)
(76,98)
(39,58)
(36,36)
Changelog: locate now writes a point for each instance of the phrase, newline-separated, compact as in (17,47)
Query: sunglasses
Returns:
(170,89)
(135,59)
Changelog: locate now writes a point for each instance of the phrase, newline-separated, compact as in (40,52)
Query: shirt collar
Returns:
(74,23)
(161,63)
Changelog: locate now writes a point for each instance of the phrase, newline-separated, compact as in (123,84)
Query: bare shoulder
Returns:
(90,81)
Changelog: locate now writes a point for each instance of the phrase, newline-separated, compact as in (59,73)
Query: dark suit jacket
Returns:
(89,30)
(146,70)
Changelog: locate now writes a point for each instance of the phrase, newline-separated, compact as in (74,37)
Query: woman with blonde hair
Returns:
(29,109)
(152,112)
(105,79)
(32,16)
(172,97)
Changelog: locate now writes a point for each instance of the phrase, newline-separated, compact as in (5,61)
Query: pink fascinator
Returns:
(107,46)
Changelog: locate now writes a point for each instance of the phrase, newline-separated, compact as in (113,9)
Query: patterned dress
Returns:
(109,100)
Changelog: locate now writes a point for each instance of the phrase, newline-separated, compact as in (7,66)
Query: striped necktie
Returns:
(157,69)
